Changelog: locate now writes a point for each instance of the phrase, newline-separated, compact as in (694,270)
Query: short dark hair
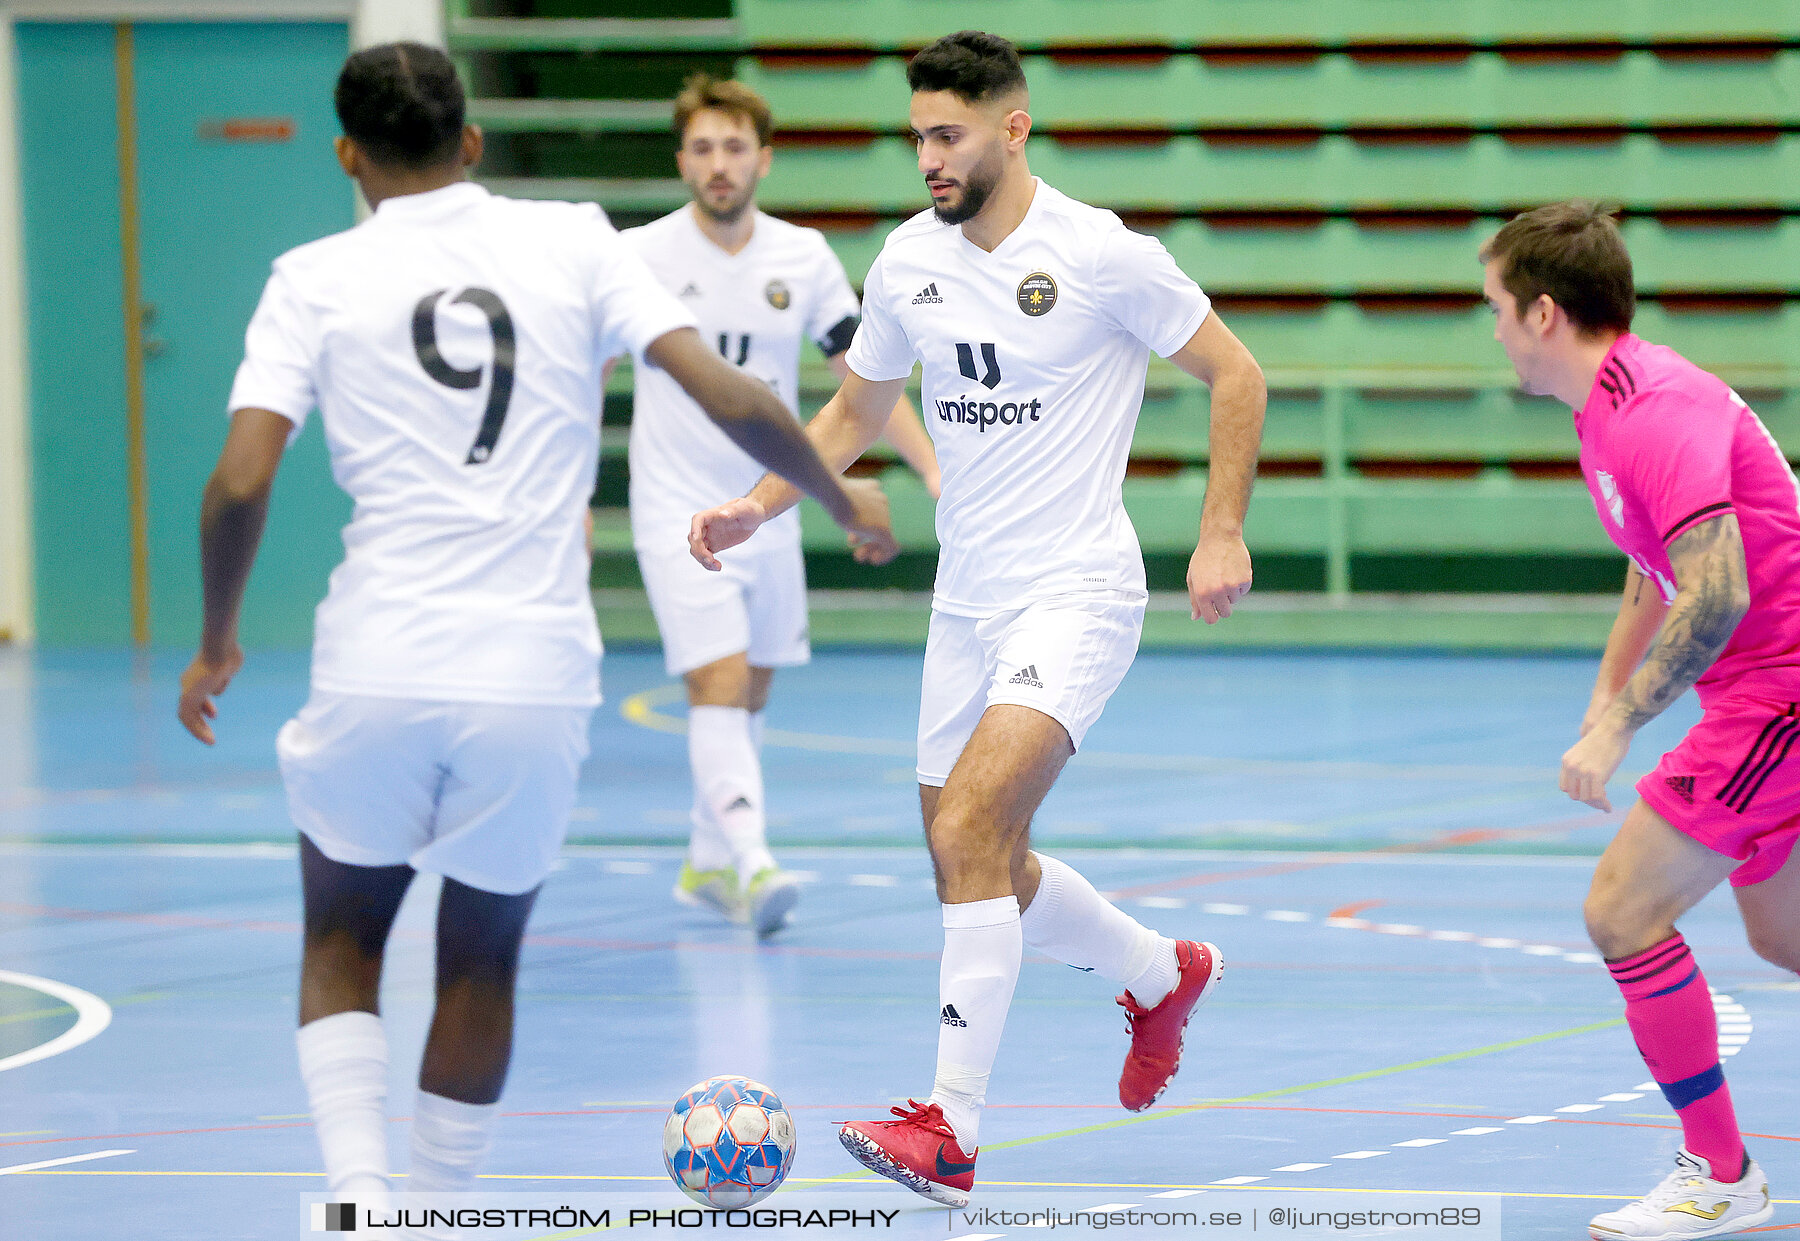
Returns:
(702,91)
(1573,252)
(402,103)
(971,64)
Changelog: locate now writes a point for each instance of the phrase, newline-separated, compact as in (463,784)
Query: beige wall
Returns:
(392,21)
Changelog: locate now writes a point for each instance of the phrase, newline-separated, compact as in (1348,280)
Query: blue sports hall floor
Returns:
(1375,841)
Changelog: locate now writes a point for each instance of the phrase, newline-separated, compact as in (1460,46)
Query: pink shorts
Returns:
(1733,785)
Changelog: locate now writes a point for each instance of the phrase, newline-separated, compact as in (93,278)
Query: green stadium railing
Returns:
(1326,171)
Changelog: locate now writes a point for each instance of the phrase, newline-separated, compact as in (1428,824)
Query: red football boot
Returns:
(919,1150)
(1156,1033)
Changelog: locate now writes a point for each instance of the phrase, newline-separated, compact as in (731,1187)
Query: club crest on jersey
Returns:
(1037,294)
(778,295)
(1615,503)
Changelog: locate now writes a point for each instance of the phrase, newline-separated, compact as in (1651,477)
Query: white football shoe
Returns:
(1688,1205)
(770,897)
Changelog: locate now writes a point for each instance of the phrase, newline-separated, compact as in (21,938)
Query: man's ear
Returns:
(348,156)
(1018,127)
(1542,314)
(473,142)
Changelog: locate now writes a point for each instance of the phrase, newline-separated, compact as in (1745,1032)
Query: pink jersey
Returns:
(1666,446)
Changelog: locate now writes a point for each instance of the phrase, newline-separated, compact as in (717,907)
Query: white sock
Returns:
(344,1063)
(982,948)
(449,1140)
(1070,922)
(728,783)
(707,849)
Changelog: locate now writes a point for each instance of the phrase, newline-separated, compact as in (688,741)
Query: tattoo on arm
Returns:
(1714,595)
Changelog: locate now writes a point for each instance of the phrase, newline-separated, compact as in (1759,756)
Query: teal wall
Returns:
(213,217)
(68,145)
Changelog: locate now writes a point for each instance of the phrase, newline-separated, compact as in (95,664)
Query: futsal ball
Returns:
(728,1142)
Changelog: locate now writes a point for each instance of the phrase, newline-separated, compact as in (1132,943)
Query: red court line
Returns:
(1447,840)
(185,921)
(192,921)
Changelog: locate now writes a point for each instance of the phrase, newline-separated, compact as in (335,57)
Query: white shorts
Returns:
(755,606)
(478,792)
(1064,657)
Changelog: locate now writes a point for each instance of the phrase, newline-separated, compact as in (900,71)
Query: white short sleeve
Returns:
(630,305)
(832,324)
(281,349)
(1141,289)
(880,351)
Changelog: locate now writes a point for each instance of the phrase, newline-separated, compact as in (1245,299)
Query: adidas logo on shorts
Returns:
(1026,676)
(928,296)
(1682,787)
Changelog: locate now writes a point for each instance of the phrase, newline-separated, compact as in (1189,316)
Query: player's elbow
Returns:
(1244,372)
(237,489)
(1716,611)
(739,406)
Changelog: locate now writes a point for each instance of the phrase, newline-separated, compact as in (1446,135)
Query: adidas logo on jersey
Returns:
(1026,676)
(928,296)
(692,290)
(952,1018)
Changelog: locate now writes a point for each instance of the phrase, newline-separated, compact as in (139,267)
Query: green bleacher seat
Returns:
(1341,258)
(1329,91)
(1199,23)
(1334,173)
(1326,171)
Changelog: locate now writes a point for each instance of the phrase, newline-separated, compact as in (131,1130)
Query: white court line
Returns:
(92,1015)
(52,1163)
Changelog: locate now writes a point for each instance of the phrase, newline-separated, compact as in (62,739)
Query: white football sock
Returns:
(707,849)
(1070,922)
(707,846)
(344,1063)
(728,782)
(449,1140)
(982,949)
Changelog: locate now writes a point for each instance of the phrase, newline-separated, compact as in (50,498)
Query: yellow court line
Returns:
(987,1185)
(1210,1104)
(644,709)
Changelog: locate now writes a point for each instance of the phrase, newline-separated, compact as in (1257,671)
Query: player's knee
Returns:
(1613,927)
(961,838)
(337,975)
(1778,946)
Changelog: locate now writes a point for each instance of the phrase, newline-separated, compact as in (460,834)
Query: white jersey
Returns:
(453,344)
(757,307)
(1034,359)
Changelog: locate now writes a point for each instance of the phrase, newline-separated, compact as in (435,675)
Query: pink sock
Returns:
(1670,1013)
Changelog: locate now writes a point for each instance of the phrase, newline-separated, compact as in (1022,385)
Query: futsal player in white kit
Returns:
(760,288)
(1034,316)
(453,343)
